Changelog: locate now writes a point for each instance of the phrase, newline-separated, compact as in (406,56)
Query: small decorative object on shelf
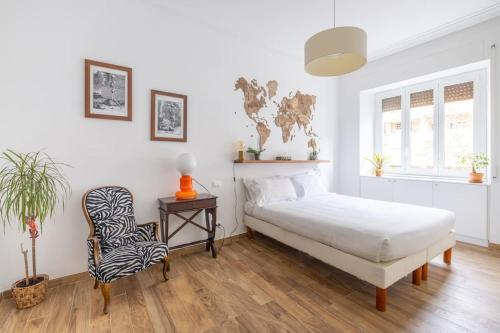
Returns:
(284,157)
(378,162)
(31,187)
(240,148)
(256,153)
(475,162)
(314,155)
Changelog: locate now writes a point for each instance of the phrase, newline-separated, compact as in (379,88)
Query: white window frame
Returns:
(480,122)
(378,124)
(407,133)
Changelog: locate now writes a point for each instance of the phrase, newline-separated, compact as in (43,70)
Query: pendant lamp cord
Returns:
(333,12)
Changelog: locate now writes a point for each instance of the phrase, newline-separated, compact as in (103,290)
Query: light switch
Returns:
(216,183)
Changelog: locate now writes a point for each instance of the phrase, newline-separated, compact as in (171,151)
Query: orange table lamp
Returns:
(185,164)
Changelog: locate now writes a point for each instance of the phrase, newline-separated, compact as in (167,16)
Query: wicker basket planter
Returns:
(32,295)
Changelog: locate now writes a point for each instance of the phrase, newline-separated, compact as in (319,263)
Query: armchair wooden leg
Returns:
(166,267)
(96,284)
(447,256)
(381,299)
(105,293)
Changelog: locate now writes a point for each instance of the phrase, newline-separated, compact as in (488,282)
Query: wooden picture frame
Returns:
(168,116)
(108,91)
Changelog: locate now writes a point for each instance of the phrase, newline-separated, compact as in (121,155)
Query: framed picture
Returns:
(108,91)
(168,116)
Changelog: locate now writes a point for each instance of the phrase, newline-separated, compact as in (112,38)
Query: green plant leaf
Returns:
(31,185)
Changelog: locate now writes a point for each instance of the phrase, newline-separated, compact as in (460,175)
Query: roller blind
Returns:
(422,98)
(391,104)
(459,92)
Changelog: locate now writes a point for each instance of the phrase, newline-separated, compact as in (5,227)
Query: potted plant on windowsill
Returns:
(31,186)
(475,162)
(378,161)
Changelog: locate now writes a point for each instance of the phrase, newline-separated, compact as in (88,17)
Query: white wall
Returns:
(42,48)
(460,48)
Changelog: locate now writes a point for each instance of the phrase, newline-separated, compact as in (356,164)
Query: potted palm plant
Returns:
(378,161)
(475,162)
(31,187)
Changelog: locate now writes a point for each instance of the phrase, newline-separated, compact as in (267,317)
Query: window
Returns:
(458,122)
(391,128)
(424,128)
(421,129)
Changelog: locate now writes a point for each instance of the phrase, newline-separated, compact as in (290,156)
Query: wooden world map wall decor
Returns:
(293,110)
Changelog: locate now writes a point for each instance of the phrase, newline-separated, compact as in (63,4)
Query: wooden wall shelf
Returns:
(279,161)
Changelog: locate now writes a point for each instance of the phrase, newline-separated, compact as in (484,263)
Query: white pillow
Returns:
(263,191)
(308,184)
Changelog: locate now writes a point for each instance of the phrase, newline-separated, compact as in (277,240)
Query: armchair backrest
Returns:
(110,213)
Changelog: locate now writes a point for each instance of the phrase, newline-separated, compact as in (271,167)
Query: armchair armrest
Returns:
(94,254)
(149,231)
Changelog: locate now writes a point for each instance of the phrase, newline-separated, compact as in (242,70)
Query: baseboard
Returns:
(6,294)
(494,246)
(472,240)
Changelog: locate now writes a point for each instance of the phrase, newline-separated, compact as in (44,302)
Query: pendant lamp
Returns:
(335,51)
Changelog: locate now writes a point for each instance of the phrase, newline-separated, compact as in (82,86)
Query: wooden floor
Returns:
(260,285)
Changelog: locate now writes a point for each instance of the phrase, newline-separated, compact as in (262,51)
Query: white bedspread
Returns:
(370,229)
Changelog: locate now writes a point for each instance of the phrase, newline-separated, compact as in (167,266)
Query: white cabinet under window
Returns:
(470,205)
(469,202)
(413,192)
(377,188)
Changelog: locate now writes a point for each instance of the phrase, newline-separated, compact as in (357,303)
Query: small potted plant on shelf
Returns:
(475,162)
(312,144)
(313,156)
(378,161)
(256,153)
(31,186)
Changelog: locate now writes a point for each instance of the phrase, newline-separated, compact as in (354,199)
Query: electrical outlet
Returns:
(216,183)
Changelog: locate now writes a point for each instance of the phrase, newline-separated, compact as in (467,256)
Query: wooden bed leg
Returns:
(425,271)
(249,233)
(417,276)
(447,256)
(381,299)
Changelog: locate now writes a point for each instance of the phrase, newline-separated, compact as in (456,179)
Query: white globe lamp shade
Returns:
(335,51)
(186,163)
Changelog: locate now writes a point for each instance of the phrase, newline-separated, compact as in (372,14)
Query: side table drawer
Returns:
(180,206)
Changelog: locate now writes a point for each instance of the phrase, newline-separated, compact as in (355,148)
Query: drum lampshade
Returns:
(335,51)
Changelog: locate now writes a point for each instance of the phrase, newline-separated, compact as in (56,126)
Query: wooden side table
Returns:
(203,202)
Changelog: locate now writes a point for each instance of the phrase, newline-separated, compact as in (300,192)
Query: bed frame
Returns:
(382,274)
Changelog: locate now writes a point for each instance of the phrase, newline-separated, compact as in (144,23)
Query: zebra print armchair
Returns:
(117,246)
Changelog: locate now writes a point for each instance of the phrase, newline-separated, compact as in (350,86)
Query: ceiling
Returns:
(284,25)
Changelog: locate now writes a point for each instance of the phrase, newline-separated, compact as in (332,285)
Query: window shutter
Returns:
(459,92)
(422,98)
(391,104)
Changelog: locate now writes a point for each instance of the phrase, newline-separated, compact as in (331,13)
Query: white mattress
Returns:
(370,229)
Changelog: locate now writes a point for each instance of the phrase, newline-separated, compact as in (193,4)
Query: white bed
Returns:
(370,229)
(378,242)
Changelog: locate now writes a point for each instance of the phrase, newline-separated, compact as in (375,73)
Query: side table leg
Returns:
(207,221)
(166,228)
(162,225)
(213,212)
